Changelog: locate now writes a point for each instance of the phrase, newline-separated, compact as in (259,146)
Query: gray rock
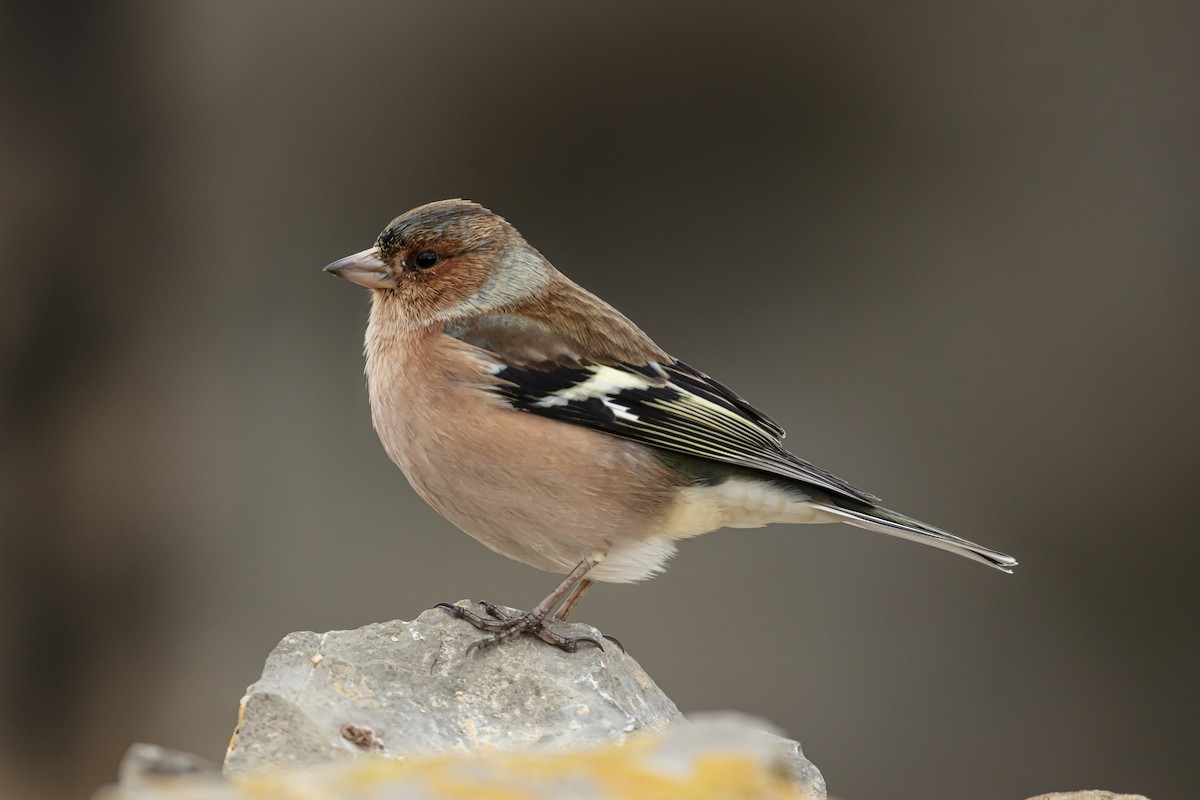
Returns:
(725,755)
(376,699)
(724,732)
(149,763)
(401,689)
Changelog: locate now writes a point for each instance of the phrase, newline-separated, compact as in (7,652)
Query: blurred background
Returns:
(953,249)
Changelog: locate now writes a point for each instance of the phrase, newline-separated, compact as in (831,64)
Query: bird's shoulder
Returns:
(561,325)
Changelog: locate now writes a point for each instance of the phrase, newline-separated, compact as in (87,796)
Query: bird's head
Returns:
(446,260)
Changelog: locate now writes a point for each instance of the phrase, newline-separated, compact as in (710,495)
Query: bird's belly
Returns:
(541,492)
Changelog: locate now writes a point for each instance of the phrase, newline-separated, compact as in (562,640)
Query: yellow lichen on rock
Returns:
(628,772)
(645,768)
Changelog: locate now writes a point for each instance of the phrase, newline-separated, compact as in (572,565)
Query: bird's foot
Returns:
(505,627)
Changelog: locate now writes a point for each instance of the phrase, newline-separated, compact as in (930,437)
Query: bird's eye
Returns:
(425,259)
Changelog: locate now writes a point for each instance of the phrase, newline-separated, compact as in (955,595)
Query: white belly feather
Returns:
(735,503)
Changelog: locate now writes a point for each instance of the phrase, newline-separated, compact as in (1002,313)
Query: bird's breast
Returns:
(540,491)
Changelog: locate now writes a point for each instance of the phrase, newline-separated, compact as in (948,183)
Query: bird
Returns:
(544,423)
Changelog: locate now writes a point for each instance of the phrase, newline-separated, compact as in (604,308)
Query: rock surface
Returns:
(719,756)
(408,688)
(400,710)
(148,764)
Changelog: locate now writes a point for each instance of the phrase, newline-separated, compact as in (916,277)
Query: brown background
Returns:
(954,251)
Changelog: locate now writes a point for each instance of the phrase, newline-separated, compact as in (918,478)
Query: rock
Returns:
(401,689)
(400,710)
(717,756)
(1089,794)
(149,763)
(719,734)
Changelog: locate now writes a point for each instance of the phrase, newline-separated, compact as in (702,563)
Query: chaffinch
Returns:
(544,423)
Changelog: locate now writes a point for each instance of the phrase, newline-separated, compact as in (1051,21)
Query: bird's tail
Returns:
(883,520)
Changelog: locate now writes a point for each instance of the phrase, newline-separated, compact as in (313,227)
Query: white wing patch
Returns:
(622,412)
(604,383)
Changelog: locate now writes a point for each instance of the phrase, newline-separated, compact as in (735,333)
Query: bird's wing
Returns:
(670,406)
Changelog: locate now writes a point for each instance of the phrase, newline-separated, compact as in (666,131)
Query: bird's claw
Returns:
(566,643)
(494,611)
(614,640)
(500,622)
(507,627)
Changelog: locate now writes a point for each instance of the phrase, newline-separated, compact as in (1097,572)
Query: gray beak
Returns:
(365,269)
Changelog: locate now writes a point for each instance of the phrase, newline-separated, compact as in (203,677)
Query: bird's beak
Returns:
(365,269)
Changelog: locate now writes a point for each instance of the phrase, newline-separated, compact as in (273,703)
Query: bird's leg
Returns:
(566,608)
(506,627)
